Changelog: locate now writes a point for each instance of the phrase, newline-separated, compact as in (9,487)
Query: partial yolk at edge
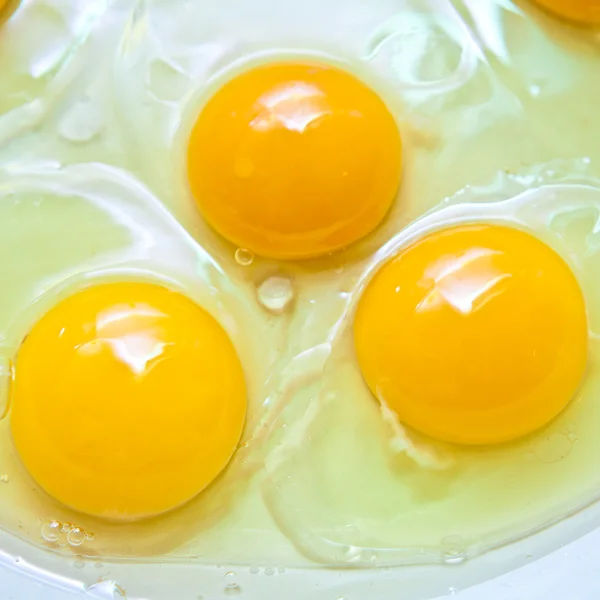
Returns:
(475,334)
(586,12)
(294,160)
(128,399)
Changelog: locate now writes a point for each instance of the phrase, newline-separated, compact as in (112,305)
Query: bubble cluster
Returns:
(53,531)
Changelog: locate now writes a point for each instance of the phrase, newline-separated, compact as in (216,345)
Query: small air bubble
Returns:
(244,257)
(51,531)
(454,549)
(76,536)
(254,570)
(81,124)
(276,294)
(66,527)
(230,579)
(79,562)
(280,570)
(89,536)
(269,571)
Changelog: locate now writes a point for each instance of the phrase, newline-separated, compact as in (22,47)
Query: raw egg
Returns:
(128,399)
(294,160)
(475,334)
(586,12)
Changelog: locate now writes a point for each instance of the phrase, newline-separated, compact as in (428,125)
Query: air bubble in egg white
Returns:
(276,294)
(76,536)
(453,547)
(254,570)
(81,123)
(269,571)
(66,527)
(244,257)
(230,580)
(51,531)
(79,562)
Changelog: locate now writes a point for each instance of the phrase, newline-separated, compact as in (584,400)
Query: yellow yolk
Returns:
(294,160)
(128,399)
(475,334)
(582,11)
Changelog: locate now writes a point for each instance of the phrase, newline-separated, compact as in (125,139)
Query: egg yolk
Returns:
(475,334)
(294,160)
(127,401)
(583,11)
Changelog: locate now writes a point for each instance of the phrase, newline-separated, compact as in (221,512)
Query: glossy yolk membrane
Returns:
(475,334)
(586,12)
(128,399)
(294,160)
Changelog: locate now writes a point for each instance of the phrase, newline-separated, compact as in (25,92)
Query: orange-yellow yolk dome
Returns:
(475,334)
(127,401)
(294,160)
